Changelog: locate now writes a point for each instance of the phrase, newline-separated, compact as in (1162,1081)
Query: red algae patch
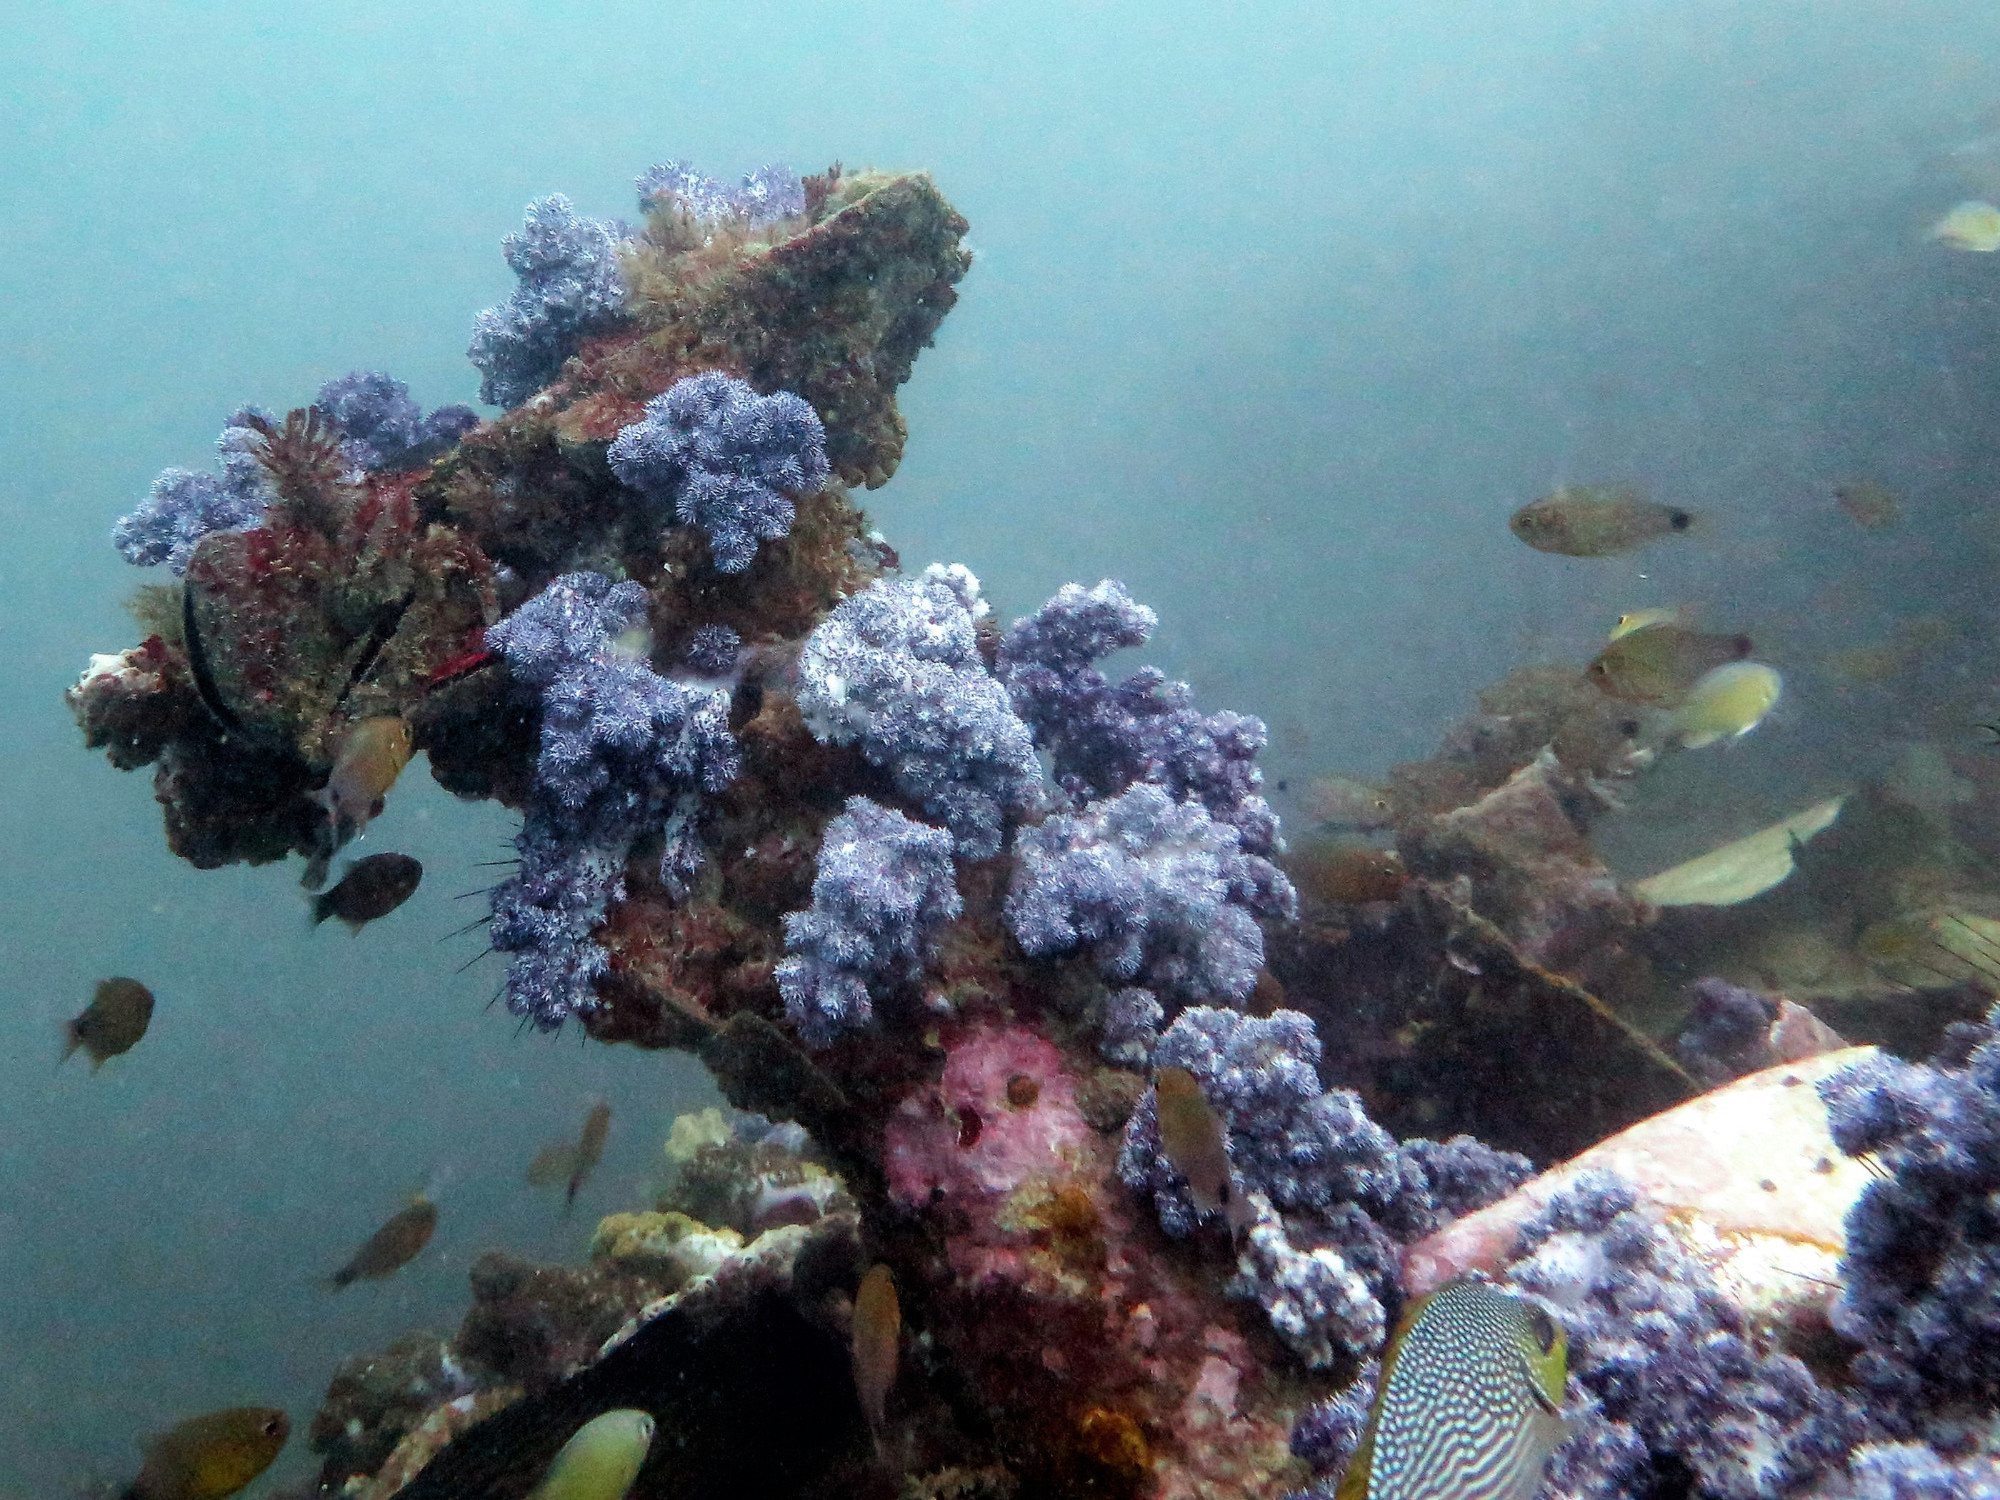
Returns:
(931,1154)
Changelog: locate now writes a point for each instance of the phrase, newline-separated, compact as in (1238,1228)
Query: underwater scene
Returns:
(971,752)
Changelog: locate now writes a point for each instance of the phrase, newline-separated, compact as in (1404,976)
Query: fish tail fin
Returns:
(1236,1209)
(72,1039)
(319,908)
(316,867)
(341,1278)
(354,925)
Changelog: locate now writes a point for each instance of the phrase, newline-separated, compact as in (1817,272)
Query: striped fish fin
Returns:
(1354,1482)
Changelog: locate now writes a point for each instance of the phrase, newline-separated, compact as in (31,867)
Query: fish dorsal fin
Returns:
(1354,1482)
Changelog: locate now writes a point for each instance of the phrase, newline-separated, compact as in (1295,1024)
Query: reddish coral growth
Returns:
(297,632)
(466,661)
(1013,1147)
(679,970)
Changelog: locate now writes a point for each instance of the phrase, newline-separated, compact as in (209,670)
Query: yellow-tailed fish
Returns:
(1596,520)
(878,1331)
(372,755)
(1973,225)
(1346,873)
(600,1460)
(211,1457)
(1191,1136)
(393,1246)
(1469,1404)
(1348,803)
(1641,619)
(117,1016)
(1730,701)
(1659,663)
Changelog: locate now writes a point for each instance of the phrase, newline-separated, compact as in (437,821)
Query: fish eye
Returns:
(270,1427)
(1544,1328)
(1680,520)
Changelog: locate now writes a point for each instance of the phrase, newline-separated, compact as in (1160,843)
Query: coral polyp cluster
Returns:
(948,902)
(621,748)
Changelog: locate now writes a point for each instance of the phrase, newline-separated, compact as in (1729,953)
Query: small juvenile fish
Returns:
(1191,1137)
(1866,664)
(600,1460)
(1869,505)
(1596,520)
(1730,701)
(1973,225)
(372,755)
(1347,873)
(371,888)
(1644,619)
(552,1164)
(117,1016)
(1348,803)
(1469,1402)
(211,1457)
(393,1246)
(1659,664)
(589,1149)
(878,1329)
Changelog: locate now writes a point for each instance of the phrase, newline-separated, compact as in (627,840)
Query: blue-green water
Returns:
(1278,311)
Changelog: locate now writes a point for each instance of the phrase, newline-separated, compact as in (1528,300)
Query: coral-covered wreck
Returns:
(941,894)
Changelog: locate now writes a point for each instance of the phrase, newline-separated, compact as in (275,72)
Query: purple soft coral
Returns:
(570,289)
(770,193)
(897,669)
(622,748)
(1103,737)
(1905,1471)
(1921,1279)
(725,458)
(382,428)
(883,887)
(1670,1375)
(1728,1030)
(1332,1192)
(185,505)
(1158,891)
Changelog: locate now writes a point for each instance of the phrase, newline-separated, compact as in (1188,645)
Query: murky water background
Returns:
(1279,311)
